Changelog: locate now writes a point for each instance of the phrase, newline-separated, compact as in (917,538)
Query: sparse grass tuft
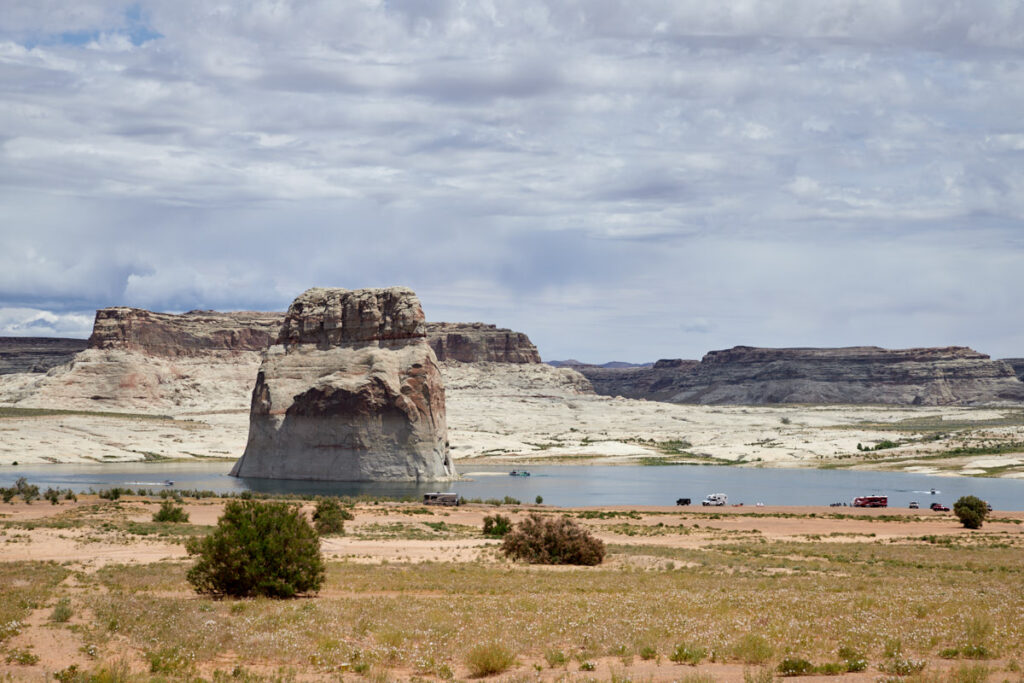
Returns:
(487,659)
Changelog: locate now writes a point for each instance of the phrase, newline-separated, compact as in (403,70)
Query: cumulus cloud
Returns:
(600,175)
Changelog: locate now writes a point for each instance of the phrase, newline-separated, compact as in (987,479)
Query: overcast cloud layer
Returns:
(618,180)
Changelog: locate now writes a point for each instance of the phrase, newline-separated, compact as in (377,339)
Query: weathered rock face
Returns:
(1018,366)
(350,391)
(36,354)
(479,342)
(186,334)
(863,374)
(659,382)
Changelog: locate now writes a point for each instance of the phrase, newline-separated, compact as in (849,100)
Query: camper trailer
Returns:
(447,498)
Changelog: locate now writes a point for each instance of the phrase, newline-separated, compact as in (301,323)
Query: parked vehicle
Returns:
(682,501)
(447,498)
(871,502)
(715,499)
(914,505)
(939,507)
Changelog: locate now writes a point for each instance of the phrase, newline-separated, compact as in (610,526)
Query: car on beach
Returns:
(715,499)
(939,507)
(913,505)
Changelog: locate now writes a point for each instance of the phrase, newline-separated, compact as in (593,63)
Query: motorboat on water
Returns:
(518,473)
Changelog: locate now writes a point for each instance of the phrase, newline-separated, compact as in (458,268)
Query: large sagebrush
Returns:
(552,540)
(258,548)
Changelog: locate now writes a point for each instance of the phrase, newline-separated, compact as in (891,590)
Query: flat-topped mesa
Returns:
(480,342)
(184,334)
(351,392)
(36,354)
(858,374)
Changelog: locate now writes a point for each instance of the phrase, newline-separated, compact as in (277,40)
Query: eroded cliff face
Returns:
(36,354)
(1018,366)
(658,382)
(480,342)
(862,374)
(350,391)
(186,334)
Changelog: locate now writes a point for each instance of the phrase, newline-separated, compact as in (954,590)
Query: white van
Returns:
(717,499)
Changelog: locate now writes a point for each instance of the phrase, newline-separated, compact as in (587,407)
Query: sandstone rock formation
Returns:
(1018,366)
(185,334)
(863,374)
(350,391)
(36,354)
(658,382)
(479,342)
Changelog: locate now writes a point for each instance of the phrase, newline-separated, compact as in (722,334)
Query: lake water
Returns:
(563,485)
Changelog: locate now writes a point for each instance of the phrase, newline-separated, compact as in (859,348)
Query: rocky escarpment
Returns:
(1018,366)
(350,391)
(658,382)
(36,354)
(862,374)
(185,334)
(480,342)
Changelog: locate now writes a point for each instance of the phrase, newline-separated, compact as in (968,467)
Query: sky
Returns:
(619,180)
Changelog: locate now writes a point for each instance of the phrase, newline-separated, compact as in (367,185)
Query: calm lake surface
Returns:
(563,485)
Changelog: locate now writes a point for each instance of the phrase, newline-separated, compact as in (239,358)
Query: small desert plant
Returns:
(647,653)
(496,526)
(329,517)
(854,660)
(762,675)
(539,500)
(169,512)
(752,649)
(971,511)
(545,540)
(169,660)
(685,653)
(258,548)
(27,491)
(62,612)
(555,658)
(489,658)
(973,673)
(795,666)
(52,495)
(8,494)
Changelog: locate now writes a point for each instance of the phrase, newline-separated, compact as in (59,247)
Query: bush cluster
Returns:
(496,526)
(547,540)
(971,511)
(258,548)
(169,512)
(329,517)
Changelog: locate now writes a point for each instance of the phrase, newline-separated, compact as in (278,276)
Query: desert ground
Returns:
(530,413)
(96,588)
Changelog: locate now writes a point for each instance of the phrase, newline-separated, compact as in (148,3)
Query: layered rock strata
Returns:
(658,382)
(861,374)
(1018,366)
(480,342)
(36,354)
(350,391)
(186,334)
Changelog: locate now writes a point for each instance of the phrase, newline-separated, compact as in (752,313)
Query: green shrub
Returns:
(752,649)
(795,666)
(27,491)
(539,500)
(496,526)
(647,653)
(489,658)
(168,660)
(258,548)
(688,654)
(855,661)
(971,511)
(169,512)
(62,612)
(329,517)
(555,658)
(546,540)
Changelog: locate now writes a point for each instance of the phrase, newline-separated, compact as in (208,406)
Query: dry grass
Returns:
(739,600)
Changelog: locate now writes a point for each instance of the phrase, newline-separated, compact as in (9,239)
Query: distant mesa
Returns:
(861,374)
(480,342)
(184,334)
(615,364)
(36,354)
(349,391)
